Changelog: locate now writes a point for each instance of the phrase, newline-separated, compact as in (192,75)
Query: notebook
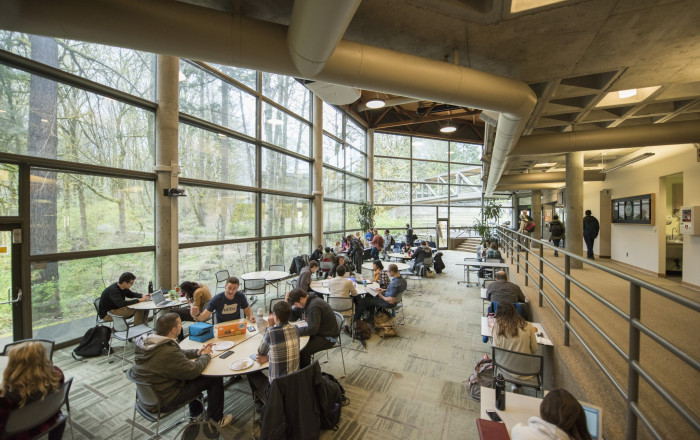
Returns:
(372,291)
(159,299)
(489,430)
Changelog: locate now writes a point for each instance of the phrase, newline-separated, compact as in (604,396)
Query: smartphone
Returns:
(493,415)
(254,356)
(227,354)
(251,328)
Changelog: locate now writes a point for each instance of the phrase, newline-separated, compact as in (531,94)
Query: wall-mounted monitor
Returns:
(637,210)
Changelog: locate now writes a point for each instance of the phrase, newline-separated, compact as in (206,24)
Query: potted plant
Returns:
(490,213)
(365,216)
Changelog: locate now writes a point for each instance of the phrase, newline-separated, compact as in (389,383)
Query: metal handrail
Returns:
(514,244)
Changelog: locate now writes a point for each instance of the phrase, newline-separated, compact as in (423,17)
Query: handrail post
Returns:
(567,295)
(517,259)
(527,258)
(541,274)
(512,247)
(632,375)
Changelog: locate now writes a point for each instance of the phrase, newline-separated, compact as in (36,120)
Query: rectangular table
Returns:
(480,264)
(519,408)
(541,340)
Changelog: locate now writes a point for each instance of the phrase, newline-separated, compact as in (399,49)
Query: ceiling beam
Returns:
(414,121)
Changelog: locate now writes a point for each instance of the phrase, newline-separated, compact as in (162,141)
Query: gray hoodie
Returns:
(537,429)
(160,362)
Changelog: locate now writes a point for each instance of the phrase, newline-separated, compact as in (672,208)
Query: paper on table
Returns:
(372,291)
(301,323)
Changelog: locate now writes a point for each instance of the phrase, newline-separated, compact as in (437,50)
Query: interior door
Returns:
(10,283)
(442,232)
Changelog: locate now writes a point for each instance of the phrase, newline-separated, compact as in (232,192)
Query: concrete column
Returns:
(167,171)
(515,218)
(317,220)
(370,165)
(574,205)
(605,224)
(537,212)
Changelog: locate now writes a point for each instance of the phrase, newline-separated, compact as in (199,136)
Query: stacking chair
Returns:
(36,413)
(277,267)
(340,321)
(221,277)
(124,331)
(325,266)
(518,368)
(47,343)
(253,288)
(274,301)
(148,404)
(346,307)
(98,320)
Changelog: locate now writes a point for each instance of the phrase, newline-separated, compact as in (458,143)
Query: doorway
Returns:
(442,232)
(674,241)
(10,283)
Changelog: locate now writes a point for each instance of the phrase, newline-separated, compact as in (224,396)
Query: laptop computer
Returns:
(594,420)
(159,299)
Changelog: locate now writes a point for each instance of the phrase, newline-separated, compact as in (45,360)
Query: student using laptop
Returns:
(561,418)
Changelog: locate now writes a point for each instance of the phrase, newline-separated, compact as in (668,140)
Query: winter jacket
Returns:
(590,226)
(159,361)
(563,230)
(304,280)
(537,429)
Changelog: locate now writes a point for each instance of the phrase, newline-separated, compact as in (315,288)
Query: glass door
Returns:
(442,231)
(10,291)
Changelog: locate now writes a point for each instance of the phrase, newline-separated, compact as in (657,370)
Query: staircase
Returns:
(469,245)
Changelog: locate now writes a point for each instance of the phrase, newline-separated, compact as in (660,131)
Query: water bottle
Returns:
(150,287)
(500,393)
(364,283)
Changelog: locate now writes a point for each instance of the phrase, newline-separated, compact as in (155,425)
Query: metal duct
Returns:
(670,133)
(508,131)
(489,117)
(588,176)
(528,186)
(315,30)
(189,31)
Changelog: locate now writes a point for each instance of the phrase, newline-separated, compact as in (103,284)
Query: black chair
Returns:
(98,320)
(36,413)
(47,343)
(148,404)
(126,332)
(518,368)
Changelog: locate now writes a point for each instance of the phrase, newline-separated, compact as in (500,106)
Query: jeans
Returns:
(556,244)
(369,302)
(316,343)
(589,246)
(374,252)
(192,388)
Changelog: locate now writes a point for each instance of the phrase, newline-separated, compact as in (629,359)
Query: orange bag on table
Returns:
(236,328)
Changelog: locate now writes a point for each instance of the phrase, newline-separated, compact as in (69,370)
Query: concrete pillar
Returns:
(574,205)
(317,220)
(605,224)
(515,218)
(537,213)
(167,171)
(370,165)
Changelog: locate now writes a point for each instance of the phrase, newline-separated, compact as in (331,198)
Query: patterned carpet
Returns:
(409,387)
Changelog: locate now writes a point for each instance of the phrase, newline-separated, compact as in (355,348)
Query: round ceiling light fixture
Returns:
(449,128)
(375,103)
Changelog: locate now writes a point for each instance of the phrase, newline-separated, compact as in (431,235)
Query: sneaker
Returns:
(225,420)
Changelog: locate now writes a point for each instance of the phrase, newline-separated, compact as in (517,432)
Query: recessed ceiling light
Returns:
(524,5)
(375,103)
(622,94)
(545,165)
(626,97)
(448,129)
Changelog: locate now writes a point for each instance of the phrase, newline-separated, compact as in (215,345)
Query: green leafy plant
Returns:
(365,216)
(490,214)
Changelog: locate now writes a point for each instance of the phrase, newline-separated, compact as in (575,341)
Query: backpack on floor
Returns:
(331,398)
(362,330)
(481,377)
(94,342)
(385,325)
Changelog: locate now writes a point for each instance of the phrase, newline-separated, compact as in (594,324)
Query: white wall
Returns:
(639,245)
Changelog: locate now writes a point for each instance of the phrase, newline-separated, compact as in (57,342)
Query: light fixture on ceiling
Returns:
(628,162)
(449,128)
(622,94)
(375,103)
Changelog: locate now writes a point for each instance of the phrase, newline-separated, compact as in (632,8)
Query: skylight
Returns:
(524,5)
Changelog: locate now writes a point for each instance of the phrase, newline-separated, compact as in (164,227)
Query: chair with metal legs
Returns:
(47,343)
(253,288)
(221,277)
(125,332)
(340,321)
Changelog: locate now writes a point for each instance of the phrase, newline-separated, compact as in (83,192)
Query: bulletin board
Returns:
(637,210)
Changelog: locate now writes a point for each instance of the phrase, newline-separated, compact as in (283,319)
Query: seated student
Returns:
(341,287)
(387,298)
(316,254)
(406,248)
(493,252)
(503,291)
(561,418)
(113,299)
(174,377)
(511,332)
(280,346)
(380,275)
(418,257)
(197,295)
(328,255)
(339,261)
(228,305)
(320,319)
(304,280)
(29,377)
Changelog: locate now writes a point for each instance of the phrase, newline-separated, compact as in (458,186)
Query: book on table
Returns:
(490,430)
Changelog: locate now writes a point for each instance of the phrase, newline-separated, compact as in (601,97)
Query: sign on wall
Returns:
(637,210)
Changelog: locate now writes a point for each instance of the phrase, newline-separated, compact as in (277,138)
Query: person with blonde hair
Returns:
(29,376)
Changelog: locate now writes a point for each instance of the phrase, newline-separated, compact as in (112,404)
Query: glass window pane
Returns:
(287,92)
(386,168)
(392,145)
(355,161)
(392,193)
(465,195)
(465,175)
(284,250)
(75,212)
(333,184)
(9,191)
(333,153)
(332,216)
(351,223)
(215,157)
(71,124)
(210,214)
(355,135)
(424,216)
(429,193)
(355,189)
(284,173)
(333,239)
(285,215)
(128,70)
(468,153)
(285,131)
(246,77)
(200,264)
(464,217)
(63,292)
(332,121)
(205,96)
(432,149)
(394,218)
(430,171)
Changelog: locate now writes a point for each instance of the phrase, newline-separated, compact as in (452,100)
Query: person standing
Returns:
(113,299)
(591,227)
(388,245)
(409,234)
(377,245)
(556,228)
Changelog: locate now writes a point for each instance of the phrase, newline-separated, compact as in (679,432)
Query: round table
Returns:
(321,287)
(398,256)
(245,346)
(400,266)
(268,275)
(150,305)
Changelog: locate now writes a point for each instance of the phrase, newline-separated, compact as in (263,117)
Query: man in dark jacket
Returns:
(323,328)
(556,228)
(590,232)
(113,299)
(159,361)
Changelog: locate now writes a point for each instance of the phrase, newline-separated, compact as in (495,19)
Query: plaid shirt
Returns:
(383,278)
(281,343)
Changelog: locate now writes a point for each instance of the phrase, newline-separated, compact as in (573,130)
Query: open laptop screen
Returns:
(157,297)
(593,420)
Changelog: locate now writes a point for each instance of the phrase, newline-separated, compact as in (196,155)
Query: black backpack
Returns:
(393,242)
(556,229)
(94,342)
(331,398)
